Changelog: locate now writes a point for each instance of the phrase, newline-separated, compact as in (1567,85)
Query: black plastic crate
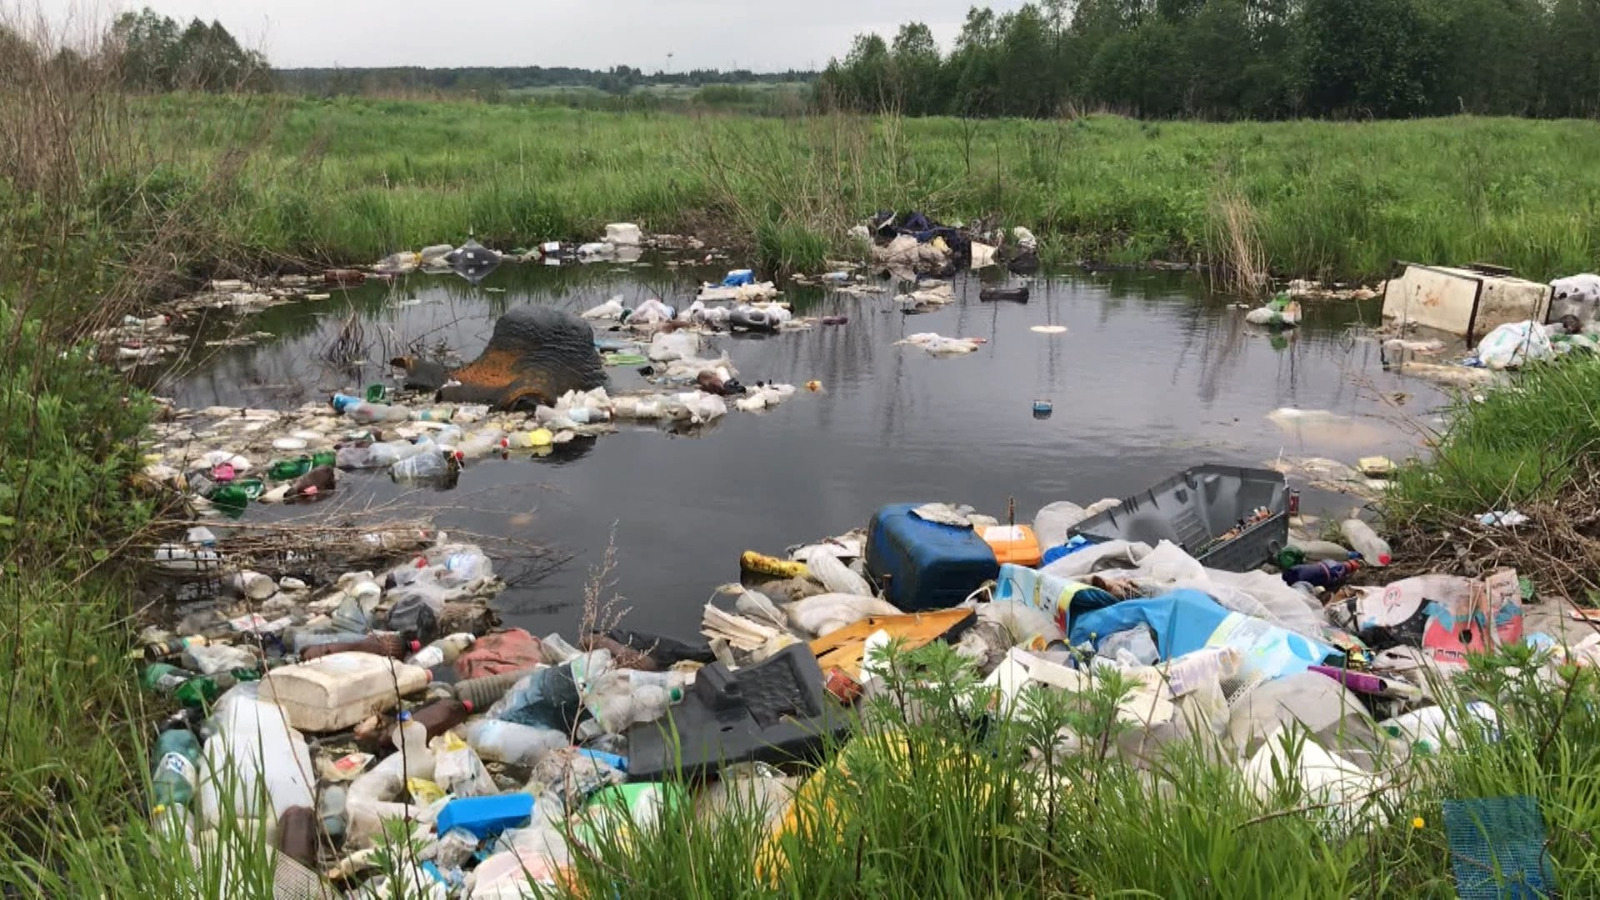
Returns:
(1195,508)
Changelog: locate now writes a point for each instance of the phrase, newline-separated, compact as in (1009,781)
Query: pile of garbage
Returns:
(911,242)
(753,309)
(224,459)
(338,713)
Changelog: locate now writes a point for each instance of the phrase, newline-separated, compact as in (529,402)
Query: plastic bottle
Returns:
(331,810)
(319,480)
(1320,551)
(669,679)
(552,696)
(625,704)
(297,834)
(164,678)
(1322,574)
(437,414)
(175,774)
(486,691)
(324,458)
(366,413)
(442,715)
(172,647)
(378,455)
(499,741)
(254,753)
(435,466)
(289,469)
(555,649)
(411,739)
(394,646)
(480,443)
(1373,549)
(525,440)
(442,651)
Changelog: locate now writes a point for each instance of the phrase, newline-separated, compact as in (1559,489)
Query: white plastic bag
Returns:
(837,577)
(676,345)
(458,769)
(611,309)
(1513,344)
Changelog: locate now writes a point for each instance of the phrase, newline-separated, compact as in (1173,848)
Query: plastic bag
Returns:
(1513,344)
(1185,621)
(458,769)
(611,309)
(651,312)
(670,346)
(837,577)
(1055,521)
(826,613)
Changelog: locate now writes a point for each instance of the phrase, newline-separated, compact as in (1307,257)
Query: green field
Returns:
(351,180)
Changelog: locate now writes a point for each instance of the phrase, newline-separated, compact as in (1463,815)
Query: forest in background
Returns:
(1236,59)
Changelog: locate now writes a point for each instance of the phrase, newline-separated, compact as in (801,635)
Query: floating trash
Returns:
(1049,329)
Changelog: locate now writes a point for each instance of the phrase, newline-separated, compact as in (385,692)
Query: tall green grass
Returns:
(934,796)
(351,180)
(1510,445)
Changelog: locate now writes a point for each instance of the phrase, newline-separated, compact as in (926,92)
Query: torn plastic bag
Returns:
(1185,621)
(1325,780)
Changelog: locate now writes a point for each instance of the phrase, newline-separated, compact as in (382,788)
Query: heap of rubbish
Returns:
(339,709)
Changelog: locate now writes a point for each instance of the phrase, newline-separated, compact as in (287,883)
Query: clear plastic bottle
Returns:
(1373,549)
(508,742)
(379,455)
(625,704)
(369,413)
(434,466)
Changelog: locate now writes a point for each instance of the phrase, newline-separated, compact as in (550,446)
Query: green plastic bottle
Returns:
(324,458)
(177,756)
(289,469)
(164,678)
(203,690)
(1289,557)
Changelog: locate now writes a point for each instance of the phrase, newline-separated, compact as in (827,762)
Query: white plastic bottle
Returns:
(509,742)
(1373,549)
(255,750)
(411,739)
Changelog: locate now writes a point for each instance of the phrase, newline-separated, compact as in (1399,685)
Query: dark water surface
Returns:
(1150,377)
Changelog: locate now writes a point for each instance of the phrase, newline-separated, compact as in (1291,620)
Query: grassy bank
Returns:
(947,802)
(351,180)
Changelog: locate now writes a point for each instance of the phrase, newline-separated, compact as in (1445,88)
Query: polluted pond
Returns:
(415,497)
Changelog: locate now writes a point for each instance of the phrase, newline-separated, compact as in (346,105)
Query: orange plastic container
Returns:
(1015,544)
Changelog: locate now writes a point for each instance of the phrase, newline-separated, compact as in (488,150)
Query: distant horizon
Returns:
(669,36)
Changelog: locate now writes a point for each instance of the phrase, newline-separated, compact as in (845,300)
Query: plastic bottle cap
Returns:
(469,705)
(405,716)
(675,694)
(415,646)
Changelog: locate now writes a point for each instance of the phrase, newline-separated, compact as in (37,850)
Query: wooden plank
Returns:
(843,649)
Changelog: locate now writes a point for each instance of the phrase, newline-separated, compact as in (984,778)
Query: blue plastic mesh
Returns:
(1497,849)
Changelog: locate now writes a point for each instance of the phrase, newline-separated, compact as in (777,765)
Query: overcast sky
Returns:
(762,35)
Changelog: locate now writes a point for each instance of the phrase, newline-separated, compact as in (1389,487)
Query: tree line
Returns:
(1237,59)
